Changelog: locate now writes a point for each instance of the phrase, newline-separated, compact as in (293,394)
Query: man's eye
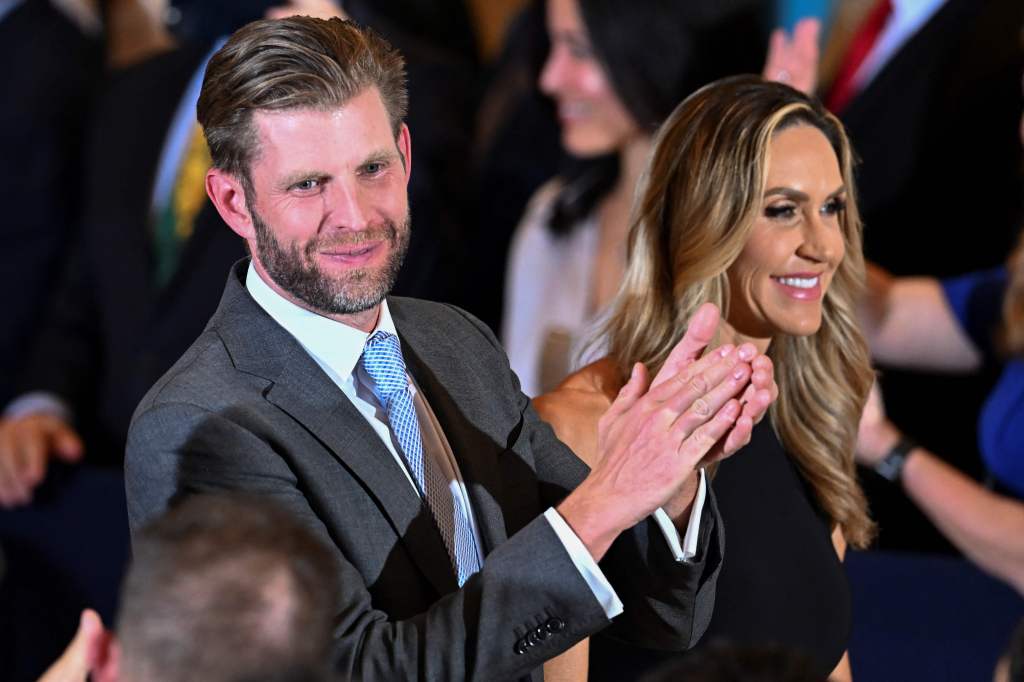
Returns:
(780,211)
(373,168)
(307,185)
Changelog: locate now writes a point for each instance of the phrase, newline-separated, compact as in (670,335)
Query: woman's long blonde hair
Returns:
(695,210)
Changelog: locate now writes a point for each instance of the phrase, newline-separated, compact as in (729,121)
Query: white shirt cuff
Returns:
(686,550)
(585,564)
(37,402)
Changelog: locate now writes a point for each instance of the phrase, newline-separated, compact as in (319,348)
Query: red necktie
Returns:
(843,88)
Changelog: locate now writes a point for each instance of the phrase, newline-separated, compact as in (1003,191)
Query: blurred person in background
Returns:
(47,101)
(748,202)
(929,92)
(142,275)
(959,324)
(962,324)
(221,588)
(614,76)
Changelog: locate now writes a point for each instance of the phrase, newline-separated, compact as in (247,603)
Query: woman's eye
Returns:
(780,211)
(834,206)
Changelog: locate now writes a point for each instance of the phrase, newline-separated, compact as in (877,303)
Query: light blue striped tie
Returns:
(382,360)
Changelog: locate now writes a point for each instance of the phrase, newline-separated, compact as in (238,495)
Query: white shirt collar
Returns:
(914,12)
(335,346)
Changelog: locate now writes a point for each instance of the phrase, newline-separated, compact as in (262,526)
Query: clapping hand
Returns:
(659,431)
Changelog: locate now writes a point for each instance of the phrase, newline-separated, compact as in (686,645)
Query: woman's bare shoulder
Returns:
(574,407)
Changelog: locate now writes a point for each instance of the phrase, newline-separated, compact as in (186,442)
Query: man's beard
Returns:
(295,270)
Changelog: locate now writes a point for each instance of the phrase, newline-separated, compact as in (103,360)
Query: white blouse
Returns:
(547,325)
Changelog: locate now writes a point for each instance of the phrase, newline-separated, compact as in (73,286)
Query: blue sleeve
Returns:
(976,300)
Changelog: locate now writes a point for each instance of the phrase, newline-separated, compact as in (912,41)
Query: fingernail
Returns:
(747,352)
(725,350)
(739,372)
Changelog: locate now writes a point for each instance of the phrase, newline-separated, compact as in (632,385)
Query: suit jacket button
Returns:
(520,647)
(555,625)
(531,638)
(541,632)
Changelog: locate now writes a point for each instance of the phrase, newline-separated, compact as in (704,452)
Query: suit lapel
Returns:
(474,451)
(301,389)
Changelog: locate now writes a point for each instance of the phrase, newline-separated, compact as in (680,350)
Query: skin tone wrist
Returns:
(678,508)
(592,519)
(888,437)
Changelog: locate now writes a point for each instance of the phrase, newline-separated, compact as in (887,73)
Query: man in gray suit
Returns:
(468,537)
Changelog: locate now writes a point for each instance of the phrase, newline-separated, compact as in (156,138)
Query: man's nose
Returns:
(344,207)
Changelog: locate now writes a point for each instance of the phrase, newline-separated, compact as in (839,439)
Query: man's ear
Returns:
(404,143)
(226,192)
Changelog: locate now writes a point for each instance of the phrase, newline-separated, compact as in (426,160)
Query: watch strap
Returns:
(891,466)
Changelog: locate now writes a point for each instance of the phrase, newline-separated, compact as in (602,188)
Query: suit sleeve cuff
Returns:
(687,548)
(585,564)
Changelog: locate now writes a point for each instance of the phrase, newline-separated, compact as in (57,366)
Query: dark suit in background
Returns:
(50,70)
(247,408)
(940,193)
(112,331)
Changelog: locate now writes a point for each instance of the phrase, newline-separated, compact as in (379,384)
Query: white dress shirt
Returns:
(337,348)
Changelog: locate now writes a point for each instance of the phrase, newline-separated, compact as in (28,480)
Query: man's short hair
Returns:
(294,63)
(222,588)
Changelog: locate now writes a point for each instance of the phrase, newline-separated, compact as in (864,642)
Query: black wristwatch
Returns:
(891,466)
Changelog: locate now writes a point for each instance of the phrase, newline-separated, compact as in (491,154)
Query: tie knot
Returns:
(382,360)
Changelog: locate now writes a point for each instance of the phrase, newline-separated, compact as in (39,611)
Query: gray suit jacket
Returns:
(247,408)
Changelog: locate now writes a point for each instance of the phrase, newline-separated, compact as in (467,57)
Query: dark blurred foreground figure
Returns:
(222,588)
(932,113)
(722,662)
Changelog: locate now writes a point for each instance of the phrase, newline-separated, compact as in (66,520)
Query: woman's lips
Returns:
(800,286)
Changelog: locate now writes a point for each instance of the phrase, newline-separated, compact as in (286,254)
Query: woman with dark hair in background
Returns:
(615,72)
(748,203)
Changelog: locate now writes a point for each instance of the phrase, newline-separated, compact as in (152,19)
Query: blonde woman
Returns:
(748,203)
